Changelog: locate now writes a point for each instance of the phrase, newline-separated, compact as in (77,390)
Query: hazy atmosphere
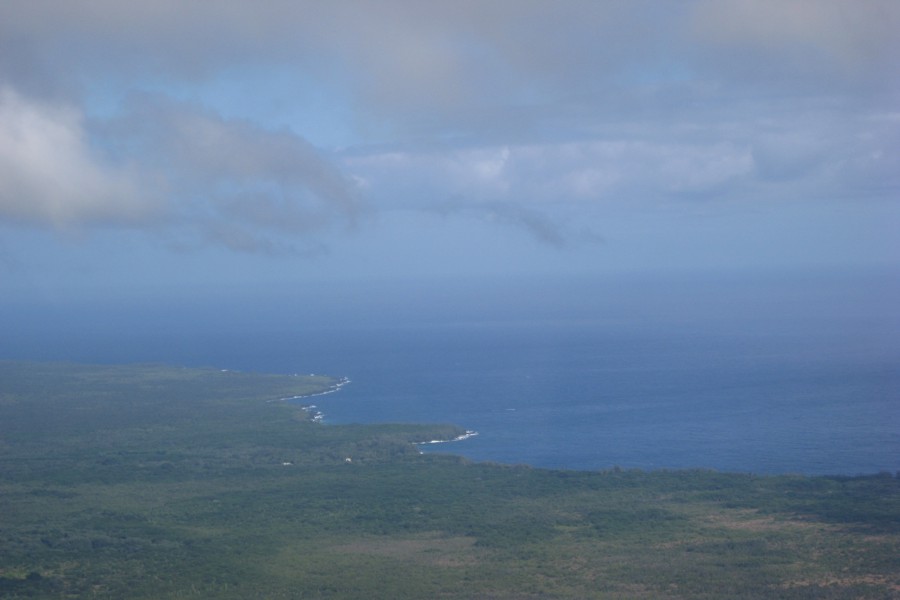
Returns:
(170,149)
(450,298)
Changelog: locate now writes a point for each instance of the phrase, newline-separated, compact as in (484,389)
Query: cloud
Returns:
(803,39)
(725,161)
(549,174)
(540,226)
(421,64)
(49,174)
(225,165)
(521,109)
(167,167)
(516,69)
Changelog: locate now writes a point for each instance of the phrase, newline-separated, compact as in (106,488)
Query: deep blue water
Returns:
(782,390)
(580,397)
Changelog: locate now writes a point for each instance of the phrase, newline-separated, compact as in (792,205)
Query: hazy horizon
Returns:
(175,151)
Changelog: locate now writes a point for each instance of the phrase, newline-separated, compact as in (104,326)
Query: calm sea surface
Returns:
(780,394)
(583,398)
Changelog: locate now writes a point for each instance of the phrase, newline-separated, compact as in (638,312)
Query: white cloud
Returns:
(551,173)
(50,174)
(166,167)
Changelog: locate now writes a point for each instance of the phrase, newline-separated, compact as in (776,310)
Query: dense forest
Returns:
(150,481)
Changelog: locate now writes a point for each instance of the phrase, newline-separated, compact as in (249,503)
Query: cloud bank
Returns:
(506,110)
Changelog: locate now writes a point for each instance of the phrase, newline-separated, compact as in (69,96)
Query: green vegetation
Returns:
(157,482)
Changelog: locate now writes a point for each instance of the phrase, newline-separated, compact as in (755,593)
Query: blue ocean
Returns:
(657,377)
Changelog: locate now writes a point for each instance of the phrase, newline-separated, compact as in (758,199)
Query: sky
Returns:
(181,148)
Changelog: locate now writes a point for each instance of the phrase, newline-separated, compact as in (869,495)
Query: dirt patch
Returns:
(430,549)
(751,520)
(847,581)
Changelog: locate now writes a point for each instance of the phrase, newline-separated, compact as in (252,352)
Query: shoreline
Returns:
(316,416)
(468,434)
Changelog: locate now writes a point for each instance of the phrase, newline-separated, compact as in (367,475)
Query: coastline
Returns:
(468,434)
(316,416)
